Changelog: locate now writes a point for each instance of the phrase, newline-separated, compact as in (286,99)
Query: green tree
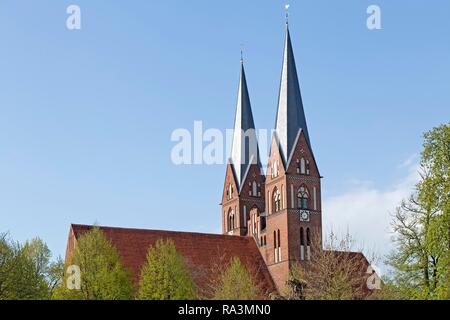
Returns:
(165,275)
(55,275)
(333,272)
(102,274)
(422,226)
(235,283)
(24,269)
(434,193)
(389,291)
(39,255)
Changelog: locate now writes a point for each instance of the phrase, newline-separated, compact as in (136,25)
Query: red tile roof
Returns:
(202,252)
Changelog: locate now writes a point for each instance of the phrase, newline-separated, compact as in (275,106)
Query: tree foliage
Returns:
(333,272)
(165,275)
(102,274)
(422,226)
(25,270)
(235,283)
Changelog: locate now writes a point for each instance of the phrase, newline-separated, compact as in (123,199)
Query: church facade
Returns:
(281,208)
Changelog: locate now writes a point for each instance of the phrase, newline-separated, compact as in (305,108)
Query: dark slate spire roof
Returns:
(290,115)
(244,150)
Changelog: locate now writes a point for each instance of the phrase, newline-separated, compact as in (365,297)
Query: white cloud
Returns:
(410,162)
(365,211)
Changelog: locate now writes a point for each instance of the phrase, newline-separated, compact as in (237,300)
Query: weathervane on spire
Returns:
(286,7)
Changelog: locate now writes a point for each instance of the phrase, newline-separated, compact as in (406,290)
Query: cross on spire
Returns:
(286,8)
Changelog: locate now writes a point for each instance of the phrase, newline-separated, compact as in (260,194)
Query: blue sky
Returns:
(86,116)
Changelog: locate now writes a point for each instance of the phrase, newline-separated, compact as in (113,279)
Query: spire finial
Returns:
(286,8)
(242,53)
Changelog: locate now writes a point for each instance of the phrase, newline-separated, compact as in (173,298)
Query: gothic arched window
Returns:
(231,222)
(254,189)
(279,246)
(275,169)
(302,166)
(230,191)
(274,239)
(302,244)
(279,238)
(262,222)
(302,198)
(276,205)
(308,243)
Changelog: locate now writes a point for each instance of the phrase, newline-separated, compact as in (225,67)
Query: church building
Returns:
(270,219)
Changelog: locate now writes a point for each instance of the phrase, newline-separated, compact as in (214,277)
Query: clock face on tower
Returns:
(304,215)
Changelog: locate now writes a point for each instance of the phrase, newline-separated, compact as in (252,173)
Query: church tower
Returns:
(282,209)
(293,193)
(243,191)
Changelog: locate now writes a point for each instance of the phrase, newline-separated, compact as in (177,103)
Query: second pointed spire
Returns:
(244,149)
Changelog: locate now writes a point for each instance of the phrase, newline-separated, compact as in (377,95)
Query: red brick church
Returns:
(281,209)
(269,220)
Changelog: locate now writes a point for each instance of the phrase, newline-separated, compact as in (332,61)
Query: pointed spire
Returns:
(244,150)
(290,114)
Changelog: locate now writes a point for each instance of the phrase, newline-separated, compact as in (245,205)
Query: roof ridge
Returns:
(161,231)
